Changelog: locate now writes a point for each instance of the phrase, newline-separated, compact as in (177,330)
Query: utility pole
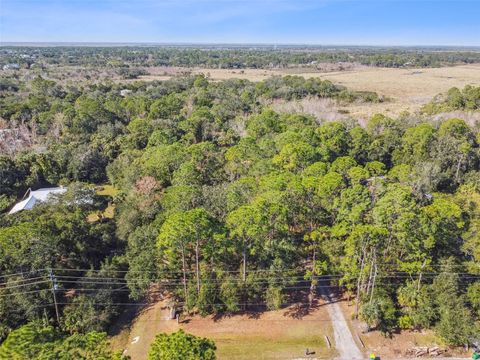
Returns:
(53,280)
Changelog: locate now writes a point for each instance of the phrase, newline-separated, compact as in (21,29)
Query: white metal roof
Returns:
(39,195)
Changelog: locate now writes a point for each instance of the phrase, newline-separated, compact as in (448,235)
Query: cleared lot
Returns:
(283,334)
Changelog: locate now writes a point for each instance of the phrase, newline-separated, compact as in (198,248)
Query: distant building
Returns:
(11,67)
(35,197)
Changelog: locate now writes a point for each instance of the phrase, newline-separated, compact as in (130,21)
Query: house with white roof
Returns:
(35,197)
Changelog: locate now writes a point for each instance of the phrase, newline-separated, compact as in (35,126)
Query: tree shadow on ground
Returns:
(300,310)
(251,313)
(126,318)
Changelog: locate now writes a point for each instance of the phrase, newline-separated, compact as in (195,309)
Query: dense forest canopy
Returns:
(235,57)
(228,205)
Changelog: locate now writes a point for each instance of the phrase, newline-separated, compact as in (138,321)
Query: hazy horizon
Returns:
(230,44)
(304,22)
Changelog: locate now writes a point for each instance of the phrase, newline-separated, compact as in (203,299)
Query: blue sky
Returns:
(375,22)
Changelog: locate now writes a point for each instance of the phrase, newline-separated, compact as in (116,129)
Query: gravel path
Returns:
(344,343)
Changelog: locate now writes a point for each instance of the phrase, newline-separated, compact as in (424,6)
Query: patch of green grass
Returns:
(260,347)
(109,212)
(107,190)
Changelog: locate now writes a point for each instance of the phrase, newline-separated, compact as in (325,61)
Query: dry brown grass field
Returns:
(406,89)
(395,83)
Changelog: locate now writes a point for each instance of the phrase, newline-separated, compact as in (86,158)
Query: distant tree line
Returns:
(256,57)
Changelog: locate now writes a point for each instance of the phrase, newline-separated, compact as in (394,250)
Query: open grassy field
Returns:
(407,89)
(414,84)
(268,335)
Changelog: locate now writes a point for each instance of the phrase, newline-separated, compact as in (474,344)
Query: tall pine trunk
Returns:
(244,264)
(244,255)
(184,268)
(373,282)
(197,265)
(359,282)
(457,172)
(311,295)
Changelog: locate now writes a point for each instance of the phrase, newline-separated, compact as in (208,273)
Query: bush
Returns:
(229,294)
(181,346)
(405,322)
(456,325)
(38,341)
(473,295)
(81,316)
(379,313)
(274,297)
(454,99)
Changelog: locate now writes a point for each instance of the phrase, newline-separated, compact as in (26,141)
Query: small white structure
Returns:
(35,197)
(11,67)
(125,92)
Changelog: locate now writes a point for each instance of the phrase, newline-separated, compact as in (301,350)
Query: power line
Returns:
(160,272)
(23,285)
(110,280)
(175,271)
(240,271)
(179,282)
(183,303)
(176,279)
(213,279)
(23,280)
(22,273)
(168,285)
(24,293)
(99,280)
(326,276)
(306,287)
(401,275)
